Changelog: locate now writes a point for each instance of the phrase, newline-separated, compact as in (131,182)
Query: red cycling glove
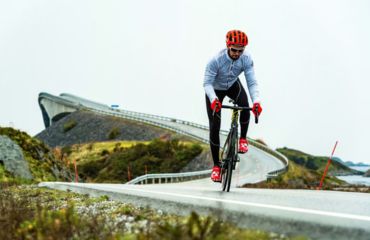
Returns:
(257,109)
(216,105)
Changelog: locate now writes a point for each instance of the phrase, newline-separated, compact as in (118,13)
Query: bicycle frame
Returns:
(229,154)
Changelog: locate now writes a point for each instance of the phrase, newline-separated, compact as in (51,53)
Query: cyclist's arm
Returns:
(251,79)
(209,78)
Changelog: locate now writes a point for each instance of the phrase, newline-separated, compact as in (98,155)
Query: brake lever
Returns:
(256,115)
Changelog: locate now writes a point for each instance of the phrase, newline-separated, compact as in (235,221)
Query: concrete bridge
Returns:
(259,164)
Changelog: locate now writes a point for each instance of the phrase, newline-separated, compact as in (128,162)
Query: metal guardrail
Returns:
(173,177)
(169,177)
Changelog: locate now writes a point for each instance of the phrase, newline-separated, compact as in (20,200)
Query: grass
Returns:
(93,151)
(28,212)
(69,125)
(113,133)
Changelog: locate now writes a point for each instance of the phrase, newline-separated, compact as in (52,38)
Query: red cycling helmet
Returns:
(236,37)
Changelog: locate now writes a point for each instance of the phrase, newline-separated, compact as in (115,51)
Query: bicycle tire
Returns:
(229,175)
(224,157)
(227,158)
(231,157)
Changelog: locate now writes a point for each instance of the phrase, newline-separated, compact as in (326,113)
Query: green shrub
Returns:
(90,169)
(67,150)
(69,125)
(90,147)
(158,157)
(114,133)
(104,152)
(117,147)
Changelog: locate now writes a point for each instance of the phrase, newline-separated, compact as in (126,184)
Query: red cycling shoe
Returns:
(216,174)
(243,145)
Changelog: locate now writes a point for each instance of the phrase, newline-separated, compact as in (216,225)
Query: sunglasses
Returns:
(237,50)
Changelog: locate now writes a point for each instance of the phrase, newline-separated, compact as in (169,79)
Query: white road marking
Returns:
(291,209)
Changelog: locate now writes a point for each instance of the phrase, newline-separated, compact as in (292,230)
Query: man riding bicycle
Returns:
(222,79)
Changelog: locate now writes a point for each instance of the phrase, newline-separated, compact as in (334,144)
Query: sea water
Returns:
(357,179)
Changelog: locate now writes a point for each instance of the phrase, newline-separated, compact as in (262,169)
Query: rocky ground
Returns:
(29,212)
(84,126)
(202,162)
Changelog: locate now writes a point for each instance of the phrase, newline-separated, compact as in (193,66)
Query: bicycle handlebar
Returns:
(241,108)
(237,107)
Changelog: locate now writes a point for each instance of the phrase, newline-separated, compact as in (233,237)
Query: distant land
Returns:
(350,163)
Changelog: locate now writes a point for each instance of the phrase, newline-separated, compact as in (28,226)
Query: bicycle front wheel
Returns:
(227,161)
(224,163)
(229,173)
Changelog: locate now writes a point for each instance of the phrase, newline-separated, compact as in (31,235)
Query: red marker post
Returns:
(327,166)
(76,172)
(128,173)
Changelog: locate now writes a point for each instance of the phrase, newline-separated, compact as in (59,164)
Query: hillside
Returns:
(305,172)
(40,160)
(317,163)
(85,126)
(298,177)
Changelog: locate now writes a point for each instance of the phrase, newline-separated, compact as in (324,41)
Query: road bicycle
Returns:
(229,153)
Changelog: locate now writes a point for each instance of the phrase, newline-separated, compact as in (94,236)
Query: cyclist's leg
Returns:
(214,127)
(238,94)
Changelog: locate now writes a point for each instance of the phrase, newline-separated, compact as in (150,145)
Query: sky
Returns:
(311,60)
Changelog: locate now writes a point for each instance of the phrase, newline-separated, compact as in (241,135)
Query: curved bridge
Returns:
(260,163)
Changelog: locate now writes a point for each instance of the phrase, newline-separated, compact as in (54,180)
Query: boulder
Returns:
(11,156)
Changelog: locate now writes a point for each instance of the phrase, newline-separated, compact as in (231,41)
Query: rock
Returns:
(11,156)
(202,162)
(367,174)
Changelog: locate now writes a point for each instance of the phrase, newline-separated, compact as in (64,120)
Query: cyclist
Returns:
(222,79)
